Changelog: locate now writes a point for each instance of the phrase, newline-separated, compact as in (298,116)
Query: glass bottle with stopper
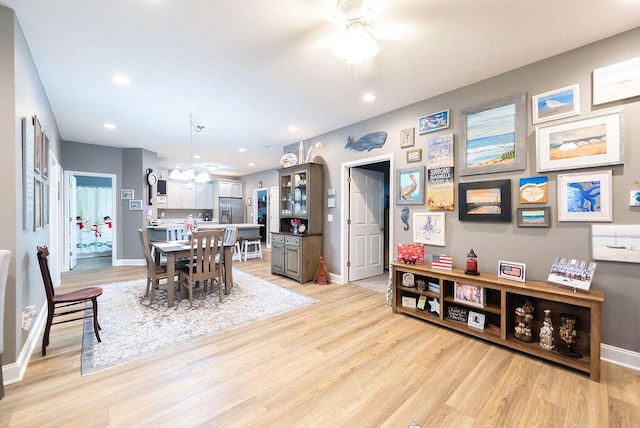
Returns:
(472,264)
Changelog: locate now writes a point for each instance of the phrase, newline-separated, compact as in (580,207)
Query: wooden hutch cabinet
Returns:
(296,249)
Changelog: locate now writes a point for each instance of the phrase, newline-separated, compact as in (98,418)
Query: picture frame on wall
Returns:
(410,182)
(616,242)
(37,145)
(584,143)
(494,136)
(434,122)
(534,217)
(429,228)
(485,201)
(616,81)
(533,190)
(414,155)
(126,194)
(45,156)
(556,104)
(585,196)
(407,138)
(135,205)
(37,204)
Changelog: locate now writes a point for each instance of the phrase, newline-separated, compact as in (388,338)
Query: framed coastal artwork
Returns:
(433,122)
(414,155)
(440,163)
(429,228)
(534,217)
(556,104)
(485,201)
(616,242)
(533,190)
(410,188)
(494,136)
(585,196)
(407,138)
(616,81)
(584,143)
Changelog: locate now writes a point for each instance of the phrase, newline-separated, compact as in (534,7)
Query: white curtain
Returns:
(93,219)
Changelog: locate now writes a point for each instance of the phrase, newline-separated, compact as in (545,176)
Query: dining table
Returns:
(174,250)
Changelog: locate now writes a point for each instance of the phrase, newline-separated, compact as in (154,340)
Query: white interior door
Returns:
(366,229)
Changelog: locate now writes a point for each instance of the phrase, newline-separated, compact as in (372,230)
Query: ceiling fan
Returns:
(357,44)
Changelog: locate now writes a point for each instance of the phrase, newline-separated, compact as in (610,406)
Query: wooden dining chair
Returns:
(65,302)
(175,232)
(154,272)
(202,266)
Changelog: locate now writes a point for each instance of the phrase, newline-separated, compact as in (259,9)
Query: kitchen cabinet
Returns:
(296,257)
(185,196)
(230,189)
(204,196)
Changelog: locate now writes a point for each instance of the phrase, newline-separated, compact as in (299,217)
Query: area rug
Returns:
(132,328)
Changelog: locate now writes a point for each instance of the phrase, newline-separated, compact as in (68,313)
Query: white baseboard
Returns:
(130,262)
(620,357)
(14,372)
(336,278)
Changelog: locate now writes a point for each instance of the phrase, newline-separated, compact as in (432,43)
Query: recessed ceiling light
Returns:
(121,80)
(196,156)
(251,164)
(109,126)
(368,97)
(241,149)
(293,128)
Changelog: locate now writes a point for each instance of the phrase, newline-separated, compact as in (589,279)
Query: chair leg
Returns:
(96,326)
(47,330)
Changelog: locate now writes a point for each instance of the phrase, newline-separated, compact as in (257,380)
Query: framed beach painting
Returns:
(485,201)
(533,190)
(616,242)
(534,217)
(616,81)
(407,138)
(584,143)
(585,197)
(494,136)
(556,104)
(410,182)
(433,122)
(429,228)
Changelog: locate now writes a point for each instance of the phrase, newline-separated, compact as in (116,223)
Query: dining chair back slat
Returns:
(205,246)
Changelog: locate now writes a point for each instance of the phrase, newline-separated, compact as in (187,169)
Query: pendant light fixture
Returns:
(190,172)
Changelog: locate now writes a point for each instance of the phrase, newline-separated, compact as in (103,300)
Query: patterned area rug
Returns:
(132,328)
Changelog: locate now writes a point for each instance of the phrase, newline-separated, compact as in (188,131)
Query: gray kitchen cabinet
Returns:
(296,257)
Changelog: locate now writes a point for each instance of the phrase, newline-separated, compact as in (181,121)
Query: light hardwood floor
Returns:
(345,361)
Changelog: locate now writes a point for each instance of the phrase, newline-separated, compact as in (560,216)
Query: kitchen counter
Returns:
(245,230)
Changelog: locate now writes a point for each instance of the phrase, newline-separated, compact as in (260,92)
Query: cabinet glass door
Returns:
(285,195)
(300,193)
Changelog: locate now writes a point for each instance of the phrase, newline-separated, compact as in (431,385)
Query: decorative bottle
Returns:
(301,157)
(546,332)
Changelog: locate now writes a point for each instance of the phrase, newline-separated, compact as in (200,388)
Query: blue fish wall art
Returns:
(374,140)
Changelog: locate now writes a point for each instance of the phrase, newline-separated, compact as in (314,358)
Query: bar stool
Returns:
(253,243)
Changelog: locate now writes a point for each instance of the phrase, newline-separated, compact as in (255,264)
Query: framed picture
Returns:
(410,188)
(485,201)
(457,313)
(469,294)
(126,194)
(135,205)
(45,204)
(512,270)
(616,242)
(494,136)
(476,320)
(572,273)
(37,204)
(433,122)
(584,143)
(429,228)
(407,138)
(440,165)
(533,190)
(414,155)
(585,197)
(534,217)
(617,81)
(37,145)
(409,302)
(556,104)
(45,156)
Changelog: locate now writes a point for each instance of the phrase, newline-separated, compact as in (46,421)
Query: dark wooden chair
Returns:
(65,301)
(202,266)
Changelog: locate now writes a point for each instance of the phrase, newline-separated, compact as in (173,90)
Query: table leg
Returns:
(171,273)
(228,268)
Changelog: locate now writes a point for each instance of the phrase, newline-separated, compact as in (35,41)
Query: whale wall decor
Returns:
(374,140)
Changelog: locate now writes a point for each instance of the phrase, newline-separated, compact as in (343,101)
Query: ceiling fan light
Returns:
(356,45)
(176,174)
(189,175)
(202,177)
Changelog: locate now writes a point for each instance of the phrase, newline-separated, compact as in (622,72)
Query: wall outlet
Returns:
(329,217)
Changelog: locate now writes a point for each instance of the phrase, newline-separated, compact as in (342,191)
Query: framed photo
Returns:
(476,320)
(584,143)
(45,156)
(469,294)
(457,313)
(410,188)
(45,204)
(616,242)
(534,217)
(617,81)
(428,228)
(407,138)
(556,104)
(634,198)
(512,270)
(414,155)
(572,273)
(433,122)
(409,302)
(135,205)
(494,136)
(37,204)
(37,145)
(485,201)
(585,197)
(126,194)
(533,190)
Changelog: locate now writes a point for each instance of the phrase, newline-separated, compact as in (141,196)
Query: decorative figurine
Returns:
(295,223)
(546,332)
(524,321)
(421,284)
(472,264)
(569,335)
(322,274)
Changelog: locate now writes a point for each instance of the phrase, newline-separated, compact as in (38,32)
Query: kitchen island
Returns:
(245,230)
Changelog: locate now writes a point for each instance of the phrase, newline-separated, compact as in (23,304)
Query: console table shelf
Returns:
(500,298)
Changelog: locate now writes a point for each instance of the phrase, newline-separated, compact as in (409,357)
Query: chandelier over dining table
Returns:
(189,171)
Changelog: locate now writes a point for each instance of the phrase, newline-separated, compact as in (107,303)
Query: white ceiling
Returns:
(247,69)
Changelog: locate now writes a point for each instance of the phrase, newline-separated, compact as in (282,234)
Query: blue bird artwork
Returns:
(404,216)
(583,197)
(371,141)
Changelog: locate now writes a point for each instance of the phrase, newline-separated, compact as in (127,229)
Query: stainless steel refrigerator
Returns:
(231,210)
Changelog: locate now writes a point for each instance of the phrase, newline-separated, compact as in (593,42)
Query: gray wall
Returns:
(500,241)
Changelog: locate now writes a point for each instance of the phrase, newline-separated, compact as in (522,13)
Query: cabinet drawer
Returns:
(277,239)
(292,240)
